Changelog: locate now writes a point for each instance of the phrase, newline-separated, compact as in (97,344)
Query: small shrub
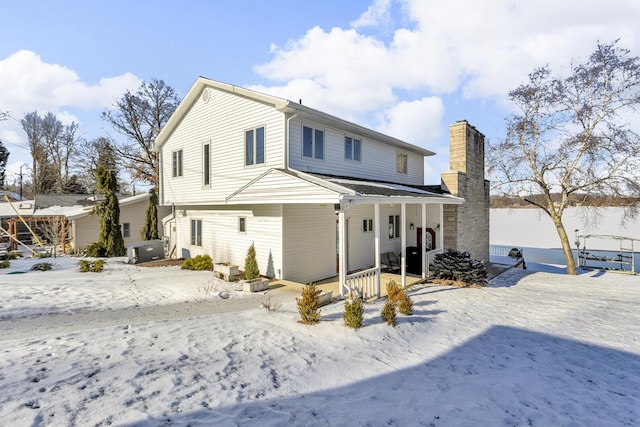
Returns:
(5,263)
(269,305)
(308,304)
(198,263)
(459,267)
(251,270)
(389,313)
(405,305)
(399,298)
(353,312)
(12,255)
(95,250)
(42,266)
(394,291)
(91,266)
(209,287)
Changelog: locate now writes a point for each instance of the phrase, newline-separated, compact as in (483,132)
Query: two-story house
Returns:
(317,195)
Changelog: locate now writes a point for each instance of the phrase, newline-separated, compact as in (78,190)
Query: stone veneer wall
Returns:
(466,226)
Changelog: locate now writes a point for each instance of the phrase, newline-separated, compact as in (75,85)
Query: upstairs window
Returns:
(352,149)
(312,143)
(206,164)
(254,146)
(401,163)
(176,163)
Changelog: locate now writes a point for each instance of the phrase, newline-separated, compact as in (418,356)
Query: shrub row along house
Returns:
(317,195)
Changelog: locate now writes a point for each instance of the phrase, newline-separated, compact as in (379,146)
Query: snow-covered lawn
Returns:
(535,348)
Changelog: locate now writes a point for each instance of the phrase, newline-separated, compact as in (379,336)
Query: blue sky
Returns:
(408,68)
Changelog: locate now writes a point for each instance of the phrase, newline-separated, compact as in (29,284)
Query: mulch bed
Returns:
(162,263)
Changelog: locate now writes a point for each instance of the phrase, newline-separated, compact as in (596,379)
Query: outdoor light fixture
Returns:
(411,226)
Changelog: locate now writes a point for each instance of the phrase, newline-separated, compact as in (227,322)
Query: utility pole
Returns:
(21,182)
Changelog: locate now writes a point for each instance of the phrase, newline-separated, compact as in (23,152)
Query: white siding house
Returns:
(318,196)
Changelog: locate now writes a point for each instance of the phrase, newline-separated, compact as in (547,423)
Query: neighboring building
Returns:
(316,195)
(82,227)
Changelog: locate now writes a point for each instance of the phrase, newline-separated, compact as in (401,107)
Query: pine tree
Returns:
(353,312)
(110,237)
(389,313)
(251,270)
(150,229)
(399,299)
(405,305)
(308,304)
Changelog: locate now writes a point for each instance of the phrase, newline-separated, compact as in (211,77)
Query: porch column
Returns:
(342,249)
(441,235)
(376,245)
(403,243)
(424,241)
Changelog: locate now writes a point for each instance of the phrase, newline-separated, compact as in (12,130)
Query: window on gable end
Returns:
(176,163)
(206,164)
(254,146)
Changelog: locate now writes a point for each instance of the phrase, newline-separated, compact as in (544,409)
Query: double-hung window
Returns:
(242,225)
(176,163)
(367,225)
(312,142)
(196,232)
(206,164)
(394,226)
(352,149)
(126,229)
(401,163)
(254,146)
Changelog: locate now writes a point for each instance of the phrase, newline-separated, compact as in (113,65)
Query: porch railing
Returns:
(365,282)
(430,256)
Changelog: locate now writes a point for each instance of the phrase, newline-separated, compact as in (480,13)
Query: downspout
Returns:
(288,139)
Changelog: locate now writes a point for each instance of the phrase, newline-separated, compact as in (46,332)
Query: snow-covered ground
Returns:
(537,347)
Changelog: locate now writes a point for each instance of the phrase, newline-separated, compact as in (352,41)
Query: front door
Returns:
(431,238)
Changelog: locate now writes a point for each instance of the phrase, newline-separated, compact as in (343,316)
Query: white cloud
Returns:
(378,14)
(27,84)
(482,49)
(418,122)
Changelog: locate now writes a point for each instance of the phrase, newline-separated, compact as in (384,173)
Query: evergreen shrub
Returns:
(251,270)
(42,266)
(353,315)
(5,263)
(95,250)
(309,304)
(459,267)
(91,266)
(198,263)
(389,313)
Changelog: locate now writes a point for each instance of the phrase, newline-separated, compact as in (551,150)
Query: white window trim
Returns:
(353,148)
(404,163)
(254,145)
(313,143)
(178,170)
(198,242)
(367,225)
(204,184)
(241,220)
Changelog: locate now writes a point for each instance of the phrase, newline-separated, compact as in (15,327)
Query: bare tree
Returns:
(53,230)
(571,136)
(52,146)
(139,117)
(92,154)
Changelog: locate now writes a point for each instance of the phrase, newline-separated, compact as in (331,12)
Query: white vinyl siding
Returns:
(378,160)
(223,121)
(220,227)
(309,239)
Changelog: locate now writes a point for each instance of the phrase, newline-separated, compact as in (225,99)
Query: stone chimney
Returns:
(466,226)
